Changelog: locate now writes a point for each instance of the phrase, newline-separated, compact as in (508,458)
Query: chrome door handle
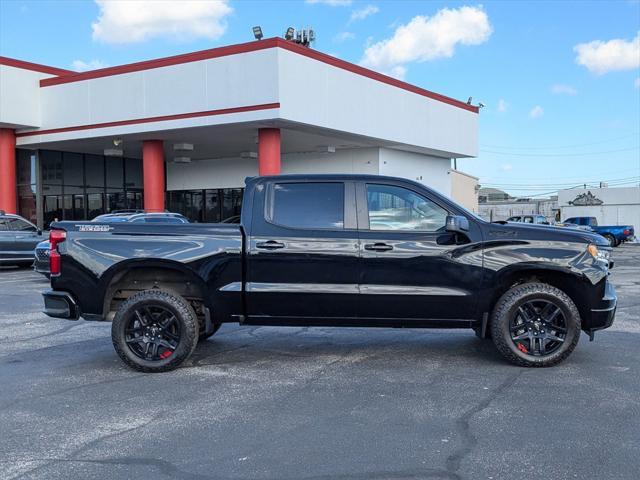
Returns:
(378,247)
(270,245)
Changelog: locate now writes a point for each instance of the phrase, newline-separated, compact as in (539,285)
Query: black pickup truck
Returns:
(337,250)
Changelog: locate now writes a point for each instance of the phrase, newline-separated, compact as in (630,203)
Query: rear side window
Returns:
(20,225)
(308,205)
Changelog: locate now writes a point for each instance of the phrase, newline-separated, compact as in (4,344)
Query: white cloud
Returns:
(332,3)
(138,20)
(561,89)
(344,36)
(506,167)
(602,57)
(363,13)
(428,38)
(536,112)
(502,105)
(82,66)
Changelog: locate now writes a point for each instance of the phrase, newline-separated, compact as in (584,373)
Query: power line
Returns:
(550,185)
(507,147)
(524,154)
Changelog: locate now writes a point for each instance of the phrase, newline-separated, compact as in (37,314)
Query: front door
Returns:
(26,237)
(411,268)
(302,264)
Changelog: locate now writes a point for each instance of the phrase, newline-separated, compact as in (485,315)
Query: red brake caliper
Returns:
(522,348)
(165,354)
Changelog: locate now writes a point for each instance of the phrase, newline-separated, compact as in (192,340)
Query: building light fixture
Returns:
(289,33)
(183,147)
(113,152)
(181,159)
(257,32)
(248,154)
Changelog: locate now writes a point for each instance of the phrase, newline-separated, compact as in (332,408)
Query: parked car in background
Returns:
(42,250)
(615,234)
(41,262)
(333,250)
(160,217)
(535,219)
(18,239)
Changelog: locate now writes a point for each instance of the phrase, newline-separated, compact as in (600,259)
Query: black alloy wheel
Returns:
(152,332)
(538,328)
(155,330)
(535,325)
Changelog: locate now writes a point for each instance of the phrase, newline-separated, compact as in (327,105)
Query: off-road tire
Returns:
(506,308)
(205,335)
(184,314)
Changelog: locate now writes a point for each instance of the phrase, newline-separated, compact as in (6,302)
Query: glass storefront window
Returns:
(94,173)
(26,173)
(73,173)
(82,186)
(115,173)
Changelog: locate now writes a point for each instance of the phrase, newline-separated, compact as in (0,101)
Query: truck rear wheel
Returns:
(611,239)
(535,325)
(154,331)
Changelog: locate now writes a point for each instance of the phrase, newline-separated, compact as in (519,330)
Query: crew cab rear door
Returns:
(302,253)
(411,268)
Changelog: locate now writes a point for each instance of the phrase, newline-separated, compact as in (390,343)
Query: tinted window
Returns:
(396,208)
(3,225)
(20,225)
(513,219)
(308,205)
(528,219)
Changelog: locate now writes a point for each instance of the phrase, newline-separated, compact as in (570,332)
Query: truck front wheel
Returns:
(535,325)
(154,331)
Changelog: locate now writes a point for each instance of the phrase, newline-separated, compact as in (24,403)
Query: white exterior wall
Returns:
(225,82)
(313,93)
(231,172)
(20,96)
(464,189)
(430,171)
(621,206)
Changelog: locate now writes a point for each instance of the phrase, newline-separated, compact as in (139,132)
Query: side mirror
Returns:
(39,231)
(457,224)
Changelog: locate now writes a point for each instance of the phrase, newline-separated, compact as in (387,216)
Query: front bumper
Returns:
(603,313)
(60,305)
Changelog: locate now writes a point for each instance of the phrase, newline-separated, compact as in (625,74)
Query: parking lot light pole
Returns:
(8,188)
(153,175)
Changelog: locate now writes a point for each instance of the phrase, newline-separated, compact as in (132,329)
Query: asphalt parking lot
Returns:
(318,403)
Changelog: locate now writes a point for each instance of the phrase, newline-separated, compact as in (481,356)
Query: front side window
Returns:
(528,219)
(308,205)
(3,225)
(396,208)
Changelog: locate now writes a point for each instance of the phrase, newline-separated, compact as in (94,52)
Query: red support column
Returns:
(8,181)
(153,175)
(269,151)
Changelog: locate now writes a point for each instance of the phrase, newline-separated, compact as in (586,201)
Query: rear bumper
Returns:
(603,313)
(60,305)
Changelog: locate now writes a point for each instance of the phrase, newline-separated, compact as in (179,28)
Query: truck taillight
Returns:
(627,231)
(56,237)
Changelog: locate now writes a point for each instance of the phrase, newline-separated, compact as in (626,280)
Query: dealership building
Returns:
(183,132)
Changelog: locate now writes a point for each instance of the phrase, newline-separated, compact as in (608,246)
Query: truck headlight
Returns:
(599,254)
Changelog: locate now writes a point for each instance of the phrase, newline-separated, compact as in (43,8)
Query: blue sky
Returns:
(549,122)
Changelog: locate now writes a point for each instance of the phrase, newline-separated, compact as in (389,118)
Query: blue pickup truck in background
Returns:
(614,234)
